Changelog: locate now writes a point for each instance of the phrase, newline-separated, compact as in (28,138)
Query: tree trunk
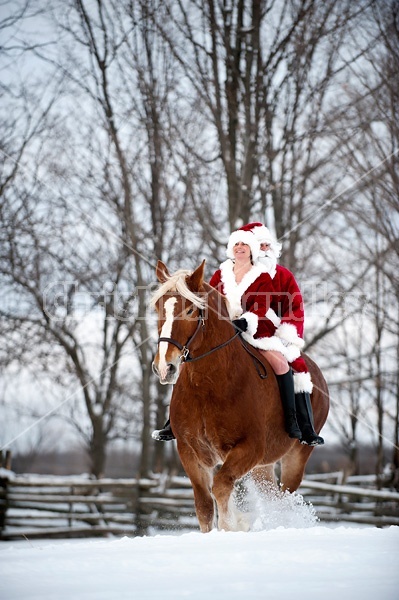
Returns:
(98,448)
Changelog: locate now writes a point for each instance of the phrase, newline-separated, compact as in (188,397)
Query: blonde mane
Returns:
(177,283)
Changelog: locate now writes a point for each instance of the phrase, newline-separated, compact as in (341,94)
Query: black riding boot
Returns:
(165,434)
(304,415)
(286,386)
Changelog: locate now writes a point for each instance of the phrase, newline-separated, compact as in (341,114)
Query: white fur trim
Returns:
(253,322)
(233,290)
(262,234)
(290,352)
(246,237)
(273,317)
(303,383)
(289,333)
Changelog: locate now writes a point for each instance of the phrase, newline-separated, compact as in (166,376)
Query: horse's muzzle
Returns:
(168,375)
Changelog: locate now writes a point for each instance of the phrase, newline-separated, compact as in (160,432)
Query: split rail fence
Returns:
(37,506)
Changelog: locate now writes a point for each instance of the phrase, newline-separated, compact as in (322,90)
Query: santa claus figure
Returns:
(286,312)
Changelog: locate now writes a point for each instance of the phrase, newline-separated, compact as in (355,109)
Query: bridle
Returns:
(185,349)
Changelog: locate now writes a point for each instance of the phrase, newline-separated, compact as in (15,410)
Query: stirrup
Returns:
(163,435)
(314,440)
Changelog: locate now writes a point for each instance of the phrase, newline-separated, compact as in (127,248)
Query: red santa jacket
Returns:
(273,308)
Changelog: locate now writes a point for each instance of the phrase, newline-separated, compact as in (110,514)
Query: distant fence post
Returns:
(5,463)
(137,508)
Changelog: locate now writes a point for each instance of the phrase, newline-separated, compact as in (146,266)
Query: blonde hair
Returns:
(177,283)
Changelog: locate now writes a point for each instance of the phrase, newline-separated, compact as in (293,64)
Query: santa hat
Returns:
(264,236)
(261,233)
(246,237)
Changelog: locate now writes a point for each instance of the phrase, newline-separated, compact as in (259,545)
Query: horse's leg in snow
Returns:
(239,461)
(201,480)
(204,502)
(263,476)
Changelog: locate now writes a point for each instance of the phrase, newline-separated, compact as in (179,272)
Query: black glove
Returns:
(240,324)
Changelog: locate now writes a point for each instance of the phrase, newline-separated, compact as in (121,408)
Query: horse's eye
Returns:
(190,311)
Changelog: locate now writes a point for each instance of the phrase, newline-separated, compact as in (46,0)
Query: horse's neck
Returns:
(219,324)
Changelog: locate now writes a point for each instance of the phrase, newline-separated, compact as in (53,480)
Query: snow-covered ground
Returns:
(288,553)
(314,562)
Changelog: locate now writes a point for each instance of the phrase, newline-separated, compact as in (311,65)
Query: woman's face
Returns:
(242,251)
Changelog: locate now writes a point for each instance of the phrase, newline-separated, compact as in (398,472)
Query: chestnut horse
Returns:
(225,409)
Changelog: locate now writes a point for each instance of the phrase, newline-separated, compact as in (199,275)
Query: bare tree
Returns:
(153,128)
(367,136)
(54,291)
(116,181)
(257,71)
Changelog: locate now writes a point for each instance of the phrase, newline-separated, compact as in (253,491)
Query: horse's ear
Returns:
(196,279)
(162,272)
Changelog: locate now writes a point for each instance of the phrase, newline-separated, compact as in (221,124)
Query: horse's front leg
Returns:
(239,461)
(201,481)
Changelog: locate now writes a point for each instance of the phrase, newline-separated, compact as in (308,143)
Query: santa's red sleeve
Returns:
(216,280)
(291,327)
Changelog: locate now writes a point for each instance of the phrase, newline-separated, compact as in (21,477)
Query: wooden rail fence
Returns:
(36,506)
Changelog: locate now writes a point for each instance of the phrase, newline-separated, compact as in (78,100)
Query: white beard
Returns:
(268,262)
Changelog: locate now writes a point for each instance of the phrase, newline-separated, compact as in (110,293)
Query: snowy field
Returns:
(288,553)
(315,562)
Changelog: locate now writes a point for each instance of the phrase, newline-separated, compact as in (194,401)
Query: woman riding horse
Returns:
(225,408)
(291,312)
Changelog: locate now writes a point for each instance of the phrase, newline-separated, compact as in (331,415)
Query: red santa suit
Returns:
(258,298)
(302,379)
(290,310)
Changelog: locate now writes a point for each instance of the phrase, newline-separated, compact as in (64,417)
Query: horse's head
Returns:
(180,302)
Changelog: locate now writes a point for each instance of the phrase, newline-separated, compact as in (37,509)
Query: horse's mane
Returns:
(177,283)
(217,302)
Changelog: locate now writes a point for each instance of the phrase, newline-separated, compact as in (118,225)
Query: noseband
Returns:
(185,350)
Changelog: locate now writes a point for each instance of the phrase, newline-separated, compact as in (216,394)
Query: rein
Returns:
(185,355)
(185,350)
(191,359)
(255,360)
